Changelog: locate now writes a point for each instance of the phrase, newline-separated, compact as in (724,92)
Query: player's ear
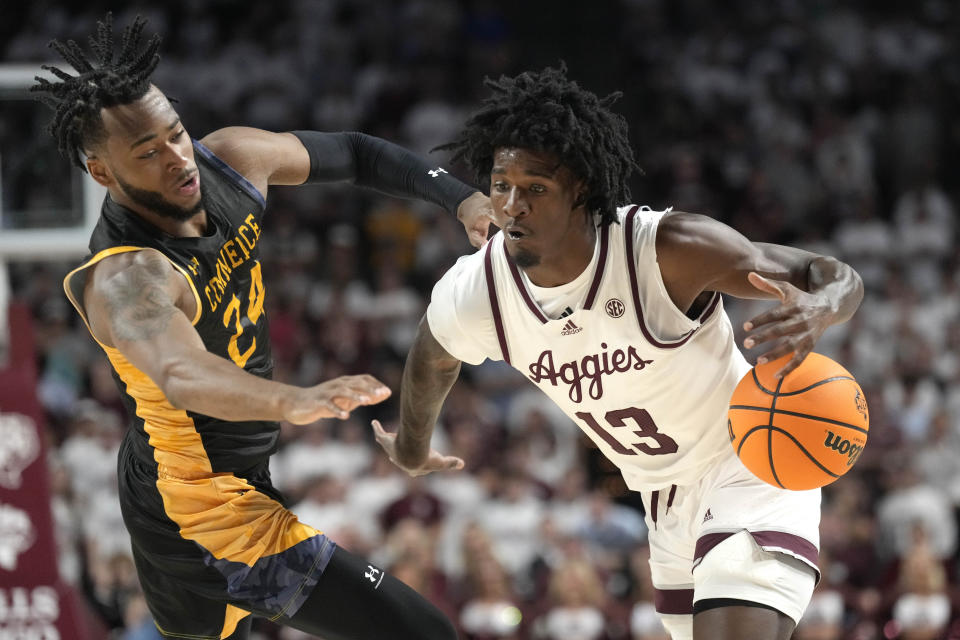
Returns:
(99,170)
(580,188)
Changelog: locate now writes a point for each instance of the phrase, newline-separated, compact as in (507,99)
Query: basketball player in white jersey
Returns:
(615,313)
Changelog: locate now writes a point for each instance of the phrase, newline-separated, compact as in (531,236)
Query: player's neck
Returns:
(193,227)
(566,261)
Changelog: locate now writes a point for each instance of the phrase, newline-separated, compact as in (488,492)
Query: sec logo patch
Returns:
(614,308)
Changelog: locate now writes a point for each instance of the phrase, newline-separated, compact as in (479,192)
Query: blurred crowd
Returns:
(825,125)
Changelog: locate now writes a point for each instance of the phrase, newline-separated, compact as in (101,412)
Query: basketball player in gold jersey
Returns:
(173,292)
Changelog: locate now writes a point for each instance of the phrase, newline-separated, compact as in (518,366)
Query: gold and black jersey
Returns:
(211,537)
(224,273)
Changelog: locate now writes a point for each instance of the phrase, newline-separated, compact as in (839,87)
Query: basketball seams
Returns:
(771,392)
(806,452)
(816,384)
(773,411)
(799,414)
(759,384)
(796,442)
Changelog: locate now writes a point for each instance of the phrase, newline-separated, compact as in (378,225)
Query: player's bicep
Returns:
(698,254)
(135,310)
(262,157)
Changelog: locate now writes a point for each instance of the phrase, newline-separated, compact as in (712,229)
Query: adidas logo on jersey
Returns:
(707,516)
(569,329)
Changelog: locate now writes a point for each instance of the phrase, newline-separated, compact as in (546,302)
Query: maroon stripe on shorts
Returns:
(675,602)
(793,544)
(708,541)
(598,272)
(766,540)
(654,502)
(495,304)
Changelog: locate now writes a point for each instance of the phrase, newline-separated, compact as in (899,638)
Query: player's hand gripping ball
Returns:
(802,431)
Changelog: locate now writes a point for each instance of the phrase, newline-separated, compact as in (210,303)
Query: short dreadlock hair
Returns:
(106,82)
(546,112)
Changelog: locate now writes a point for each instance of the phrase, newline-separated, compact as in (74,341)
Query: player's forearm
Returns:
(213,386)
(427,379)
(839,282)
(375,163)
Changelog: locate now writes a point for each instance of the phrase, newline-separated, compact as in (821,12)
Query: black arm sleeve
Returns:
(381,165)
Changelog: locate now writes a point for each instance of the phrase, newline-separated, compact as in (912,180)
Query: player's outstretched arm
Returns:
(698,254)
(135,303)
(427,377)
(299,157)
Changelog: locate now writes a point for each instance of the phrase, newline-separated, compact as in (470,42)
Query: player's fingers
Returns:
(376,398)
(489,214)
(440,462)
(361,390)
(778,350)
(477,238)
(380,430)
(792,364)
(349,399)
(452,463)
(380,433)
(772,315)
(483,225)
(774,331)
(333,410)
(371,385)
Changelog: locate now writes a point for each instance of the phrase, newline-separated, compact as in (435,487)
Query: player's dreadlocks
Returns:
(108,81)
(547,112)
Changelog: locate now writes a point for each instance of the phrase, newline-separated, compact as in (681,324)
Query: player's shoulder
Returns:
(642,221)
(460,315)
(228,141)
(133,273)
(131,265)
(464,285)
(642,214)
(682,230)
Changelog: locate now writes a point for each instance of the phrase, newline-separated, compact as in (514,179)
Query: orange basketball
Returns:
(802,431)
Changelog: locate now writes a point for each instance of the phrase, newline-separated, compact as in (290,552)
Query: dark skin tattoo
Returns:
(433,374)
(140,306)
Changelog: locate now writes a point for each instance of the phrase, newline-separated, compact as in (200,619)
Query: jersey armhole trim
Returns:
(231,173)
(494,303)
(112,251)
(637,302)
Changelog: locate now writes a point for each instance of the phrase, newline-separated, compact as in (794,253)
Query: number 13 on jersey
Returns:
(231,315)
(646,428)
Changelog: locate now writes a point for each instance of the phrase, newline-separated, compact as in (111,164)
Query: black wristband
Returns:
(375,163)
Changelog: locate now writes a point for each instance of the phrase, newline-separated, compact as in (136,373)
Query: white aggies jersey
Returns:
(647,384)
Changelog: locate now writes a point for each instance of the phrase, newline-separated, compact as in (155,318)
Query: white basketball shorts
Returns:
(696,554)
